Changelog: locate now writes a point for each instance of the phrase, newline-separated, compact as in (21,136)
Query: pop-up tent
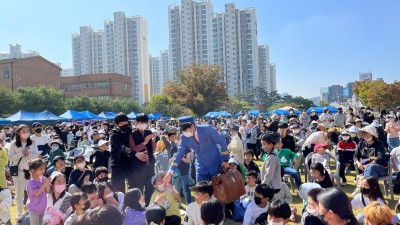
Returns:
(108,115)
(4,121)
(74,115)
(284,111)
(158,116)
(320,109)
(26,117)
(132,115)
(216,114)
(91,115)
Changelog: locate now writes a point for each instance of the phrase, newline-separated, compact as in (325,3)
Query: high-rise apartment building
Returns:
(159,67)
(122,47)
(267,77)
(365,76)
(229,39)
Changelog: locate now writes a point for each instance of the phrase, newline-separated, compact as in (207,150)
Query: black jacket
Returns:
(289,142)
(120,148)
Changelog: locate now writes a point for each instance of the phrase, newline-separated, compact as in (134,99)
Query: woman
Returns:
(334,208)
(320,175)
(318,137)
(59,165)
(3,163)
(310,215)
(377,214)
(370,157)
(109,196)
(236,145)
(84,141)
(392,128)
(22,150)
(346,148)
(58,200)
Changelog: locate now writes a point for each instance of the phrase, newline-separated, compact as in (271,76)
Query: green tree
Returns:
(79,103)
(322,103)
(260,98)
(234,105)
(279,105)
(39,99)
(198,88)
(378,94)
(164,104)
(8,102)
(125,105)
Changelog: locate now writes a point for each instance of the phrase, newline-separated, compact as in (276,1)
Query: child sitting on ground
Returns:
(203,191)
(262,197)
(251,179)
(101,175)
(278,213)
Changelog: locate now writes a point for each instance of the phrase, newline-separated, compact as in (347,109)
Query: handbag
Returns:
(14,169)
(228,186)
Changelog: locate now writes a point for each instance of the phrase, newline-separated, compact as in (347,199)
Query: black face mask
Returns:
(365,191)
(257,200)
(104,179)
(124,127)
(38,130)
(321,218)
(87,205)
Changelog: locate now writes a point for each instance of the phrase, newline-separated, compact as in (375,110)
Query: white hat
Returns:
(102,142)
(153,130)
(233,160)
(353,129)
(370,130)
(305,188)
(54,175)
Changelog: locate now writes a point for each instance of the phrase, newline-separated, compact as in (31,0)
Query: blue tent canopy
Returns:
(284,112)
(4,121)
(92,115)
(132,115)
(108,115)
(74,115)
(24,117)
(253,112)
(158,116)
(320,109)
(216,114)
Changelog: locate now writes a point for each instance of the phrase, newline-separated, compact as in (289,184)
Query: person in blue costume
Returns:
(210,149)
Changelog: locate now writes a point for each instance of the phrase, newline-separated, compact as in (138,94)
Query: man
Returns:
(340,118)
(291,114)
(143,143)
(204,140)
(74,127)
(287,139)
(120,152)
(41,141)
(57,128)
(252,134)
(161,122)
(325,118)
(305,119)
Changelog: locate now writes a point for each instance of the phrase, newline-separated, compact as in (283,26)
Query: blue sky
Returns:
(314,43)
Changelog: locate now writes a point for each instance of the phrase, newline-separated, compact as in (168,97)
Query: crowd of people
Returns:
(142,171)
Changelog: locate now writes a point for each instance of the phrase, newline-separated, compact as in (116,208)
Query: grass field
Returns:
(297,202)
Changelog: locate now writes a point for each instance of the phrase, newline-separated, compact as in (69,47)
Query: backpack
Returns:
(240,208)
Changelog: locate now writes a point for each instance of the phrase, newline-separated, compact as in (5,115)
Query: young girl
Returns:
(21,151)
(320,156)
(89,189)
(346,148)
(320,175)
(79,205)
(133,208)
(5,206)
(37,187)
(109,196)
(58,199)
(155,215)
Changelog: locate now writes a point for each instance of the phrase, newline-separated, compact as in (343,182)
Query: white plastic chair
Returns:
(335,176)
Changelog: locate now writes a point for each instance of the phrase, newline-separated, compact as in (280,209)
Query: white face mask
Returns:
(111,194)
(345,138)
(296,131)
(160,188)
(81,165)
(274,223)
(313,212)
(142,204)
(187,134)
(142,126)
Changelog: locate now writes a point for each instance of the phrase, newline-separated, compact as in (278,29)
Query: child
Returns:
(320,175)
(203,191)
(236,145)
(310,215)
(320,156)
(346,148)
(172,199)
(101,175)
(263,196)
(212,212)
(109,196)
(248,162)
(156,215)
(89,189)
(79,175)
(37,187)
(133,208)
(271,168)
(234,165)
(101,157)
(278,214)
(79,205)
(286,157)
(5,206)
(251,179)
(55,150)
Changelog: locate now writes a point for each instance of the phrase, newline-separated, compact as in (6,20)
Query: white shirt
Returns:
(250,191)
(42,140)
(59,203)
(357,203)
(15,154)
(5,205)
(252,212)
(192,216)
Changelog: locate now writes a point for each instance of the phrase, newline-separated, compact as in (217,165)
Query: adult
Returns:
(292,114)
(3,163)
(42,141)
(392,128)
(204,140)
(325,118)
(305,119)
(314,116)
(57,128)
(368,115)
(335,208)
(143,143)
(340,118)
(377,214)
(370,157)
(318,137)
(60,166)
(251,136)
(287,139)
(22,150)
(273,126)
(120,152)
(161,122)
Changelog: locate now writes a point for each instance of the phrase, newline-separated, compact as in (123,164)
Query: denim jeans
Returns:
(183,181)
(393,142)
(293,173)
(376,171)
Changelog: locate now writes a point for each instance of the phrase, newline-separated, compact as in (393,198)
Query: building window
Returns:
(88,85)
(75,87)
(6,73)
(102,85)
(64,87)
(125,87)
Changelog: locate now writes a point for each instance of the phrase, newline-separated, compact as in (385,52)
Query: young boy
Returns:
(278,213)
(101,175)
(172,197)
(251,179)
(286,156)
(80,175)
(203,191)
(55,150)
(263,195)
(249,164)
(271,168)
(101,156)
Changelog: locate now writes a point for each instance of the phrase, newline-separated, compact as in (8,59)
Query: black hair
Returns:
(155,214)
(131,200)
(336,200)
(18,142)
(88,188)
(34,164)
(265,191)
(142,117)
(279,209)
(249,151)
(102,215)
(204,187)
(120,118)
(375,190)
(99,170)
(320,168)
(252,173)
(74,200)
(84,133)
(313,193)
(102,187)
(212,212)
